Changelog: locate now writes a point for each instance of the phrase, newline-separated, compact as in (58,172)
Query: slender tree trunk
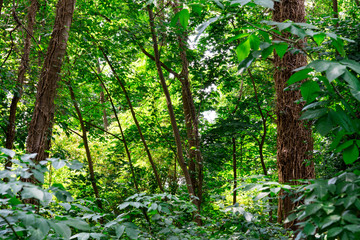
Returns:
(1,5)
(86,146)
(10,133)
(41,122)
(102,100)
(335,8)
(294,141)
(263,118)
(102,83)
(157,177)
(336,12)
(234,168)
(191,120)
(357,3)
(174,126)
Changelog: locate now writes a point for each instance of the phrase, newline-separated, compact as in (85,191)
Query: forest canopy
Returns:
(222,119)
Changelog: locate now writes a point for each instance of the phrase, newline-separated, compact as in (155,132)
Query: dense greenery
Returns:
(165,120)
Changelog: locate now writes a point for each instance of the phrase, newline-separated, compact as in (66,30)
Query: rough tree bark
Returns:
(24,64)
(41,122)
(87,148)
(294,141)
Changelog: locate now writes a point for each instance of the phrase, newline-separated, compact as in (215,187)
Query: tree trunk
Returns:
(357,3)
(1,5)
(102,100)
(234,168)
(174,126)
(41,122)
(10,132)
(191,120)
(86,146)
(157,177)
(102,83)
(336,12)
(294,141)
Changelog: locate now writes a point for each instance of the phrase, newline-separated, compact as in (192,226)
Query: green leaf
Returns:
(265,3)
(328,209)
(243,50)
(81,236)
(319,38)
(283,25)
(267,52)
(339,45)
(298,31)
(241,35)
(353,82)
(196,8)
(334,71)
(320,65)
(299,76)
(281,49)
(351,64)
(350,200)
(309,90)
(58,163)
(261,195)
(344,145)
(341,117)
(333,232)
(8,152)
(132,233)
(309,229)
(312,208)
(324,125)
(254,42)
(351,218)
(78,224)
(352,228)
(351,154)
(311,114)
(219,4)
(356,94)
(330,220)
(124,205)
(203,26)
(32,192)
(119,230)
(184,17)
(61,229)
(241,2)
(245,64)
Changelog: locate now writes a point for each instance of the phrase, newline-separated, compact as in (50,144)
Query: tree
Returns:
(41,123)
(10,133)
(294,140)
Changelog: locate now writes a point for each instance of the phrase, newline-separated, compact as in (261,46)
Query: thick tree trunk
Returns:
(87,148)
(10,132)
(41,122)
(294,141)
